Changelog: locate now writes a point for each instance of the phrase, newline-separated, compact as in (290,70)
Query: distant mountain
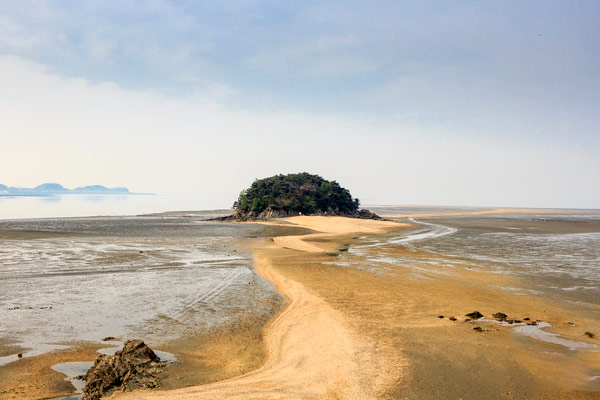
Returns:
(50,188)
(47,189)
(101,189)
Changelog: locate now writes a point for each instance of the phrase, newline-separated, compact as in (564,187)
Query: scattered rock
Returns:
(452,319)
(141,252)
(134,367)
(531,323)
(478,329)
(440,316)
(526,319)
(518,321)
(467,319)
(500,316)
(108,338)
(510,321)
(474,315)
(570,323)
(589,334)
(20,355)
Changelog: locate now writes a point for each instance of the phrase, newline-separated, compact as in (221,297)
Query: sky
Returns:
(402,102)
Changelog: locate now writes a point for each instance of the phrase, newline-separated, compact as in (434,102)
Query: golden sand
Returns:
(312,351)
(351,334)
(348,333)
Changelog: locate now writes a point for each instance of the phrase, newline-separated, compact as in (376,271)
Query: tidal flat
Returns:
(68,283)
(389,303)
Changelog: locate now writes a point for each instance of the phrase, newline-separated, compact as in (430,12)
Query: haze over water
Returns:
(73,205)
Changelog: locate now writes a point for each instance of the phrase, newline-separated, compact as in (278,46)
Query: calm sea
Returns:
(74,205)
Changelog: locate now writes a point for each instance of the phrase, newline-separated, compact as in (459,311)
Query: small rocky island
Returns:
(296,194)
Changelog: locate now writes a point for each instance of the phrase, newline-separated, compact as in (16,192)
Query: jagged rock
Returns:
(134,367)
(589,334)
(500,316)
(474,315)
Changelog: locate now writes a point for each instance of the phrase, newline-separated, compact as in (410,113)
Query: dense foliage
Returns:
(297,193)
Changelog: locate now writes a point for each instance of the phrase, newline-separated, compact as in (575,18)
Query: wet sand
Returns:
(33,377)
(351,333)
(312,351)
(184,287)
(495,211)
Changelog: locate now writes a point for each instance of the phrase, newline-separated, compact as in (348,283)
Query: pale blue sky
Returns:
(471,103)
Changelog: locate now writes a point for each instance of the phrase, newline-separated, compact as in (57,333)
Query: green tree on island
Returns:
(296,194)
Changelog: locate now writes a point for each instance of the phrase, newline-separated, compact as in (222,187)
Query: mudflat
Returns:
(356,325)
(350,332)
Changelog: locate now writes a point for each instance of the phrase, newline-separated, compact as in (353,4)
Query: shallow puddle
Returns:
(73,370)
(537,332)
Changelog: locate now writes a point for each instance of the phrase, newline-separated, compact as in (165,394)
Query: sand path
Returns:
(329,227)
(312,352)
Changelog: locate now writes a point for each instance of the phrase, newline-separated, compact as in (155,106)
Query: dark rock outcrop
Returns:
(500,316)
(474,315)
(134,367)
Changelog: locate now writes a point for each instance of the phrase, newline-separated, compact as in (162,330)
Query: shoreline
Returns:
(387,340)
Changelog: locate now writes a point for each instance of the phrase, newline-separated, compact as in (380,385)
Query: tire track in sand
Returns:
(209,295)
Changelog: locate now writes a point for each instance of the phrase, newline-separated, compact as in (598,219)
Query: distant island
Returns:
(48,189)
(296,194)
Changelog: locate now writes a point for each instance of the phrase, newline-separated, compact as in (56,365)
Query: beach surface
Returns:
(368,314)
(348,332)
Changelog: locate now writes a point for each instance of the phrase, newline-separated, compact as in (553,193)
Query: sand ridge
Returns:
(495,211)
(329,227)
(312,352)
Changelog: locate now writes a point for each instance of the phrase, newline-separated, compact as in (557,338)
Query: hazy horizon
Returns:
(459,104)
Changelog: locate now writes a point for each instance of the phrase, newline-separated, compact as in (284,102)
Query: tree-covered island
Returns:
(296,194)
